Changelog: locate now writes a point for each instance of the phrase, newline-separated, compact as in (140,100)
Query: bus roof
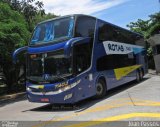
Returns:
(76,15)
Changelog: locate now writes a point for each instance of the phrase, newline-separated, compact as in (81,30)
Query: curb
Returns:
(11,96)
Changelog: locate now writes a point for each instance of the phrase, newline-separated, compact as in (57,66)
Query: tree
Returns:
(13,34)
(147,28)
(30,12)
(17,20)
(40,18)
(29,8)
(140,26)
(155,24)
(155,18)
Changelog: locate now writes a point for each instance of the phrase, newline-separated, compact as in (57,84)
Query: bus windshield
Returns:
(52,31)
(43,67)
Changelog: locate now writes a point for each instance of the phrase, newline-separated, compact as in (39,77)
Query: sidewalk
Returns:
(11,96)
(152,72)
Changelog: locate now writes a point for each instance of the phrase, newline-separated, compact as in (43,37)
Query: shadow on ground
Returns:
(85,104)
(5,102)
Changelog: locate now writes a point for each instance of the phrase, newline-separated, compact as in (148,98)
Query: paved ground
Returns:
(131,102)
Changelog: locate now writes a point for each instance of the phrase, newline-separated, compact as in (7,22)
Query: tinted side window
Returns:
(122,36)
(106,32)
(114,61)
(85,27)
(82,57)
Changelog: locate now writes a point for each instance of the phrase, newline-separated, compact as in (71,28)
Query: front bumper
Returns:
(61,98)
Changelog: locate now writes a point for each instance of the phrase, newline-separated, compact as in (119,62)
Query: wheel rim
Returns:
(141,75)
(138,76)
(99,89)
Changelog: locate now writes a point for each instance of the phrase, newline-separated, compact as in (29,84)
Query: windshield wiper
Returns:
(40,78)
(50,78)
(62,77)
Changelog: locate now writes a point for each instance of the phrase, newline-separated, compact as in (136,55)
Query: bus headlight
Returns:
(28,89)
(65,88)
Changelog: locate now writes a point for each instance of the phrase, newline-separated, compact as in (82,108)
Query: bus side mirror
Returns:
(17,52)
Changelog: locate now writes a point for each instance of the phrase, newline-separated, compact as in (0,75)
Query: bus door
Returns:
(81,64)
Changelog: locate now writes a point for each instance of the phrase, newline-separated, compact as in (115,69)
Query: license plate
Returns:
(45,100)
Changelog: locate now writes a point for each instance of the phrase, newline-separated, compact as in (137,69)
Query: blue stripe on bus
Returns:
(138,50)
(46,48)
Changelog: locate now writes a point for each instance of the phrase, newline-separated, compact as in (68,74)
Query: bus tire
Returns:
(138,76)
(100,88)
(141,74)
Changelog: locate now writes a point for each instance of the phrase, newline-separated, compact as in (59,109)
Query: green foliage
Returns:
(30,12)
(140,26)
(13,34)
(17,20)
(40,18)
(155,29)
(148,28)
(26,8)
(13,30)
(155,18)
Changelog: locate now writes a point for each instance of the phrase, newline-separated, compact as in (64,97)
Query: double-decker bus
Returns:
(75,57)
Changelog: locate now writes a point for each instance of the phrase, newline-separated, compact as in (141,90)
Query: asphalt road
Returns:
(130,102)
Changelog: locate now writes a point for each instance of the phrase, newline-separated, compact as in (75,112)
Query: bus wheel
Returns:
(138,76)
(141,74)
(100,89)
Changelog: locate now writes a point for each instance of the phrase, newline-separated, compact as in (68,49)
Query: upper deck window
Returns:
(53,30)
(109,32)
(85,26)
